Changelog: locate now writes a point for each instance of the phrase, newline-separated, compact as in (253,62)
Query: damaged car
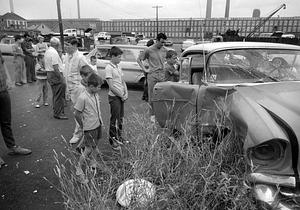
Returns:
(258,84)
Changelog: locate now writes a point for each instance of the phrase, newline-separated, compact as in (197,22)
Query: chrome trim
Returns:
(287,181)
(268,195)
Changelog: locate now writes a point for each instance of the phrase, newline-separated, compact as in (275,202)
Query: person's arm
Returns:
(78,117)
(142,56)
(126,91)
(113,89)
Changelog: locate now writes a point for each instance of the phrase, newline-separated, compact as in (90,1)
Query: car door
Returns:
(131,69)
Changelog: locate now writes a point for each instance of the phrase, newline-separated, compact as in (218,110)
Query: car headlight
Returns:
(267,152)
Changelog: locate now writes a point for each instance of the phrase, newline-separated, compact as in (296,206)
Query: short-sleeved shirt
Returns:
(89,105)
(73,64)
(115,73)
(170,73)
(52,58)
(156,58)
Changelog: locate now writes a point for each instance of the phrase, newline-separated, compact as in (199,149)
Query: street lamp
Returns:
(157,7)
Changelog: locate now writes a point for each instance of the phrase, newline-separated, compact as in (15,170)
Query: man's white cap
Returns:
(54,41)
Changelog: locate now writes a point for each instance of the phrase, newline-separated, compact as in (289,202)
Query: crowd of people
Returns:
(72,76)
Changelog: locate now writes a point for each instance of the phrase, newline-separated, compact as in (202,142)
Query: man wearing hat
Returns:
(41,46)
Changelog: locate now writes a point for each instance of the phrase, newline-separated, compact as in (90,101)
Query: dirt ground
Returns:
(22,182)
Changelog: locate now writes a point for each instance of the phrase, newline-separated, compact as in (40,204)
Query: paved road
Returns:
(38,130)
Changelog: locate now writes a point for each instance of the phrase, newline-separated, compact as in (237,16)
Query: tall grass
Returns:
(206,174)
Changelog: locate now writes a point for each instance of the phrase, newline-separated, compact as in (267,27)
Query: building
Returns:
(42,28)
(195,28)
(11,20)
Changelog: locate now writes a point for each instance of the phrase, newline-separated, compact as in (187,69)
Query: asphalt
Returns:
(22,182)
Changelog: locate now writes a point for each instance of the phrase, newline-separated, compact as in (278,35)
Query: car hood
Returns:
(269,111)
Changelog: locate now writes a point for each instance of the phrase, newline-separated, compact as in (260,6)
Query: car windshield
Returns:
(129,54)
(253,65)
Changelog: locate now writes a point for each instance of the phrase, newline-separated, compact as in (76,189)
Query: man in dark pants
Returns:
(29,58)
(5,117)
(53,64)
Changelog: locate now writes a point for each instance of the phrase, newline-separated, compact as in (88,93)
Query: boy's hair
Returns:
(74,42)
(94,80)
(92,57)
(40,57)
(115,51)
(85,70)
(150,42)
(161,36)
(17,37)
(170,53)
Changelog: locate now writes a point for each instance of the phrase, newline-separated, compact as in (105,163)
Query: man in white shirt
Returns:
(53,65)
(74,61)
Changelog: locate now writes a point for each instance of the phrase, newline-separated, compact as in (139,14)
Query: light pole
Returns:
(157,7)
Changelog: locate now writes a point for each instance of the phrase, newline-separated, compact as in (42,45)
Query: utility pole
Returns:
(60,25)
(157,7)
(78,9)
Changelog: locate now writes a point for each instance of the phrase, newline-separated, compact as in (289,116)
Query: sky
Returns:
(139,9)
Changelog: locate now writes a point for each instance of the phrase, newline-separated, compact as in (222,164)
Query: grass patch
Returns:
(187,175)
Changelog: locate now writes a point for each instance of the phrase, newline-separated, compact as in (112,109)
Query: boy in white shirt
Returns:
(88,116)
(117,96)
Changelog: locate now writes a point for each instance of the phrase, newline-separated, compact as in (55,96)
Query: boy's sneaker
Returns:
(37,106)
(17,150)
(152,119)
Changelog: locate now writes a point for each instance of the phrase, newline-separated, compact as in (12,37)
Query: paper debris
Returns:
(26,172)
(35,191)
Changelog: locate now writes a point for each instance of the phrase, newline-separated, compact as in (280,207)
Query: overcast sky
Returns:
(117,9)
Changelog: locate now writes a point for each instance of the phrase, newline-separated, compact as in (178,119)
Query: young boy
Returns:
(88,116)
(93,61)
(41,76)
(171,73)
(117,95)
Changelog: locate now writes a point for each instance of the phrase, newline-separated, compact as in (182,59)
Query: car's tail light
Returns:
(267,152)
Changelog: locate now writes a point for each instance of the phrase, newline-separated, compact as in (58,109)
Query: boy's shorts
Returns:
(91,137)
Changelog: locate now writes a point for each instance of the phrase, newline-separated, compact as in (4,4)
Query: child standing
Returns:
(117,95)
(93,61)
(88,116)
(41,76)
(171,73)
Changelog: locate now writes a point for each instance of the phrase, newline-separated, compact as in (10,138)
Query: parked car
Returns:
(258,86)
(8,40)
(102,35)
(132,71)
(70,32)
(187,43)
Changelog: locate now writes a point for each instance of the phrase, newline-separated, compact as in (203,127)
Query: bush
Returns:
(187,174)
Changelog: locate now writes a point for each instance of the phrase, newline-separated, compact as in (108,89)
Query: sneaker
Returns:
(2,163)
(46,104)
(37,106)
(17,150)
(152,119)
(116,147)
(74,140)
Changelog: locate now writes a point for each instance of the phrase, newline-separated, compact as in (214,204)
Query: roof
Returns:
(12,16)
(122,46)
(208,47)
